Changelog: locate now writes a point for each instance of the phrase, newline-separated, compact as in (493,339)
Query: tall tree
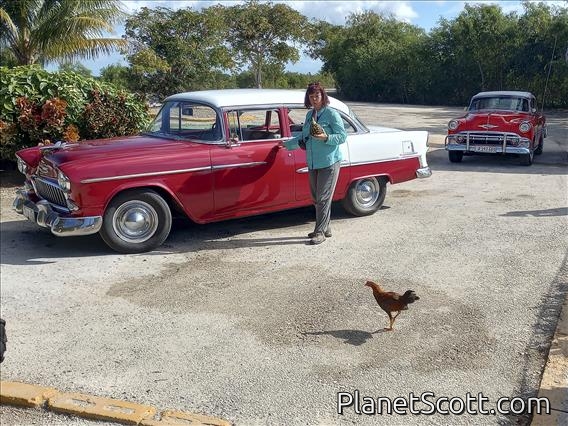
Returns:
(38,31)
(373,58)
(265,34)
(174,51)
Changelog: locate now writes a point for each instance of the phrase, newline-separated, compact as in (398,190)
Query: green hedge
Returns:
(37,106)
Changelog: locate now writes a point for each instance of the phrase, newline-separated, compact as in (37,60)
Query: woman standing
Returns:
(322,142)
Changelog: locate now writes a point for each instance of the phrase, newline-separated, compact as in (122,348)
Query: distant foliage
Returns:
(37,106)
(379,59)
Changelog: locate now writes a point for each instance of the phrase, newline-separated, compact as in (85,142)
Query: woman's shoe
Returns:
(317,239)
(326,233)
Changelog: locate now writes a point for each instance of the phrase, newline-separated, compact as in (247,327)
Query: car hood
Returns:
(121,156)
(114,149)
(489,120)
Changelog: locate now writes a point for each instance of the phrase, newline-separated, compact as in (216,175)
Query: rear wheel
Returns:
(455,156)
(365,196)
(136,221)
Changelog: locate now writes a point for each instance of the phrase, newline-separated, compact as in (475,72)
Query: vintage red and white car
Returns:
(210,156)
(500,122)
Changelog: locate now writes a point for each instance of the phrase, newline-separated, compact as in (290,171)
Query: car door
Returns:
(252,173)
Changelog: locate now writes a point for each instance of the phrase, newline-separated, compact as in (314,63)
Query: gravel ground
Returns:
(243,320)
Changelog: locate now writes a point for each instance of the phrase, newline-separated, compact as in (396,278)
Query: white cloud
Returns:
(335,12)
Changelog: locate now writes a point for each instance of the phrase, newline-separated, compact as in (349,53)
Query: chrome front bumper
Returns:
(424,172)
(44,215)
(497,148)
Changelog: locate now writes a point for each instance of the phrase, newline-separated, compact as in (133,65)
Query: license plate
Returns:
(483,148)
(29,213)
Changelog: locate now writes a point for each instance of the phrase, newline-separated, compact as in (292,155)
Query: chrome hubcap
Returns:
(367,193)
(135,221)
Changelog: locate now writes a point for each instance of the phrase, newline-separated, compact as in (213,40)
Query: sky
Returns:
(424,14)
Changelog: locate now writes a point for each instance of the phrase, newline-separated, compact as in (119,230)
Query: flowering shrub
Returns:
(41,122)
(37,106)
(107,115)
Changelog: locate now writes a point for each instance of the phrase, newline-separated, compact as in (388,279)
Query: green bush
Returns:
(37,106)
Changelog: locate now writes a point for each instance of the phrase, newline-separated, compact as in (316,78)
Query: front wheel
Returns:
(527,159)
(365,196)
(136,221)
(455,156)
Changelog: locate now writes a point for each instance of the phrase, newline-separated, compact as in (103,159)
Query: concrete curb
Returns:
(98,408)
(554,382)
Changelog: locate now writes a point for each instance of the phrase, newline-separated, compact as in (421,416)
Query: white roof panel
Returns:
(226,98)
(512,93)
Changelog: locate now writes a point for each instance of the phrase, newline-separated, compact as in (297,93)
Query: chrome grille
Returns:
(50,191)
(488,138)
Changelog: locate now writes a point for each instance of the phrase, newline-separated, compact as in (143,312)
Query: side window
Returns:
(296,117)
(254,125)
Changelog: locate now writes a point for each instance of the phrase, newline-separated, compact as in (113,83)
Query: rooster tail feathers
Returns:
(410,297)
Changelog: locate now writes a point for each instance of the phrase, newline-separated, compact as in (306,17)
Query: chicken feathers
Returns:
(390,302)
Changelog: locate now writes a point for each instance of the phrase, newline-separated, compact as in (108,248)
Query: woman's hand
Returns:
(321,136)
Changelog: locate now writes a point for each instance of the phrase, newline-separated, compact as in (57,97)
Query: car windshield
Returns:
(186,120)
(506,103)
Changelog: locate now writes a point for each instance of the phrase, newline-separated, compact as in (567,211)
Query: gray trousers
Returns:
(322,186)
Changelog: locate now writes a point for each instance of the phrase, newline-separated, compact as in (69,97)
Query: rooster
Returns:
(390,302)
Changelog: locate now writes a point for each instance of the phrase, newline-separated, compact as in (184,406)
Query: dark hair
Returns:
(314,88)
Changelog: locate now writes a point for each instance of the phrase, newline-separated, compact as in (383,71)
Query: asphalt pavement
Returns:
(244,322)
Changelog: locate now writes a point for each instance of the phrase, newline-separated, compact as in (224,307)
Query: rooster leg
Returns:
(391,320)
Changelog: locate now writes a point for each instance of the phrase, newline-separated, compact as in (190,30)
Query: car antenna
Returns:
(548,75)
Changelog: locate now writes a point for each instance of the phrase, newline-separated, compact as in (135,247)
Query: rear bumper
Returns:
(424,172)
(43,214)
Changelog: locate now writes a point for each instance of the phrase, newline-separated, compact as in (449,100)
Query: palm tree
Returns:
(38,31)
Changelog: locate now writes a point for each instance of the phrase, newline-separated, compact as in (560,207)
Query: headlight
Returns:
(525,126)
(453,124)
(22,165)
(63,181)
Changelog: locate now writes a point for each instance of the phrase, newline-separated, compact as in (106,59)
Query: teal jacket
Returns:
(319,153)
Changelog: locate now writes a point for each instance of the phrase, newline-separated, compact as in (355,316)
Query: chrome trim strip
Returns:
(344,163)
(363,163)
(169,172)
(384,160)
(238,165)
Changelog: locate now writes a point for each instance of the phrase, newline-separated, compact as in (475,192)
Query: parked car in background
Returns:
(502,122)
(209,155)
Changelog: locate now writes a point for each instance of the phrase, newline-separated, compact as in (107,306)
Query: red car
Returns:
(209,156)
(502,122)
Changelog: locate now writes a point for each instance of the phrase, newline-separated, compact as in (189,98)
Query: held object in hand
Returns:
(316,129)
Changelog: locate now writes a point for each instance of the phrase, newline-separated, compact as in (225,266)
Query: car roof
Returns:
(225,98)
(511,93)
